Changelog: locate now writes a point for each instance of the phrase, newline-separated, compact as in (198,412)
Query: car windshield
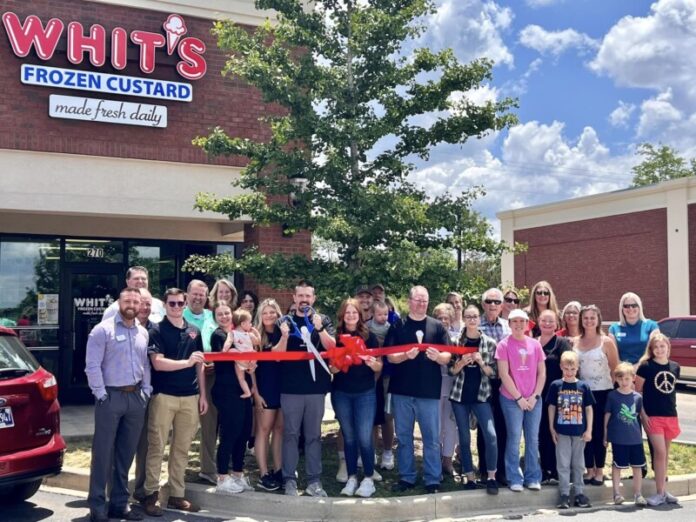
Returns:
(14,357)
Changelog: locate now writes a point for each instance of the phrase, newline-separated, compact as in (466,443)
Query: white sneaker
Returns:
(367,488)
(228,486)
(350,487)
(671,499)
(387,460)
(342,475)
(534,486)
(656,500)
(244,482)
(376,476)
(516,487)
(315,490)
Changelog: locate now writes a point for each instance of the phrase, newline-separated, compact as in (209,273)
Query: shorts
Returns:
(665,426)
(628,455)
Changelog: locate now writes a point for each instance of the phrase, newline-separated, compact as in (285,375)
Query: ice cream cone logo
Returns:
(523,356)
(175,28)
(419,336)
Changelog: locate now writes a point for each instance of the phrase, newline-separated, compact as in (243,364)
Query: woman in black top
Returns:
(553,346)
(269,417)
(234,413)
(354,401)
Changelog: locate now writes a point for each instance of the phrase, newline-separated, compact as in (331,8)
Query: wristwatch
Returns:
(537,397)
(319,330)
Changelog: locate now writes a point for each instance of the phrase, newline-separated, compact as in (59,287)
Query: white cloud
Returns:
(537,164)
(473,28)
(658,114)
(655,51)
(621,116)
(555,42)
(518,87)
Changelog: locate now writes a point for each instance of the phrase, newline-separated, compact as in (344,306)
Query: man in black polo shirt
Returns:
(176,354)
(415,388)
(302,398)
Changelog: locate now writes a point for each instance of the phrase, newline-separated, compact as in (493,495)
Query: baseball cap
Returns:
(380,286)
(363,289)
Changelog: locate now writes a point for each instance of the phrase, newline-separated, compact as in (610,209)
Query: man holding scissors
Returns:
(303,387)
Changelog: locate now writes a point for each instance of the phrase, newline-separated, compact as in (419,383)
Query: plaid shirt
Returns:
(497,330)
(487,351)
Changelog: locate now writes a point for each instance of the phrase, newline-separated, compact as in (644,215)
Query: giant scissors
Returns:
(304,333)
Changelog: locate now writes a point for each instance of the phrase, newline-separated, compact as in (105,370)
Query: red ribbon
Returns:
(353,348)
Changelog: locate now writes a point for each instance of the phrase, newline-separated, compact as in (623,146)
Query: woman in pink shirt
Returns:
(522,371)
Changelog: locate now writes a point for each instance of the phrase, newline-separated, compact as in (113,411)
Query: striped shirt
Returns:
(498,330)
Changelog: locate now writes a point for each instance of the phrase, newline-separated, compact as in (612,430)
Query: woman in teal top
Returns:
(632,332)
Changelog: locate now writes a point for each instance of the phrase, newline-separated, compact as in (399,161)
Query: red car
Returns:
(682,334)
(31,446)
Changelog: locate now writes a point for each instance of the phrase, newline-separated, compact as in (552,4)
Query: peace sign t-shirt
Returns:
(660,388)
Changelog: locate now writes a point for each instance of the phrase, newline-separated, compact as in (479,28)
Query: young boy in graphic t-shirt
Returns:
(570,403)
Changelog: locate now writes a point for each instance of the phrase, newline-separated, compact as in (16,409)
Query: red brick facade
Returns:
(597,260)
(692,257)
(216,100)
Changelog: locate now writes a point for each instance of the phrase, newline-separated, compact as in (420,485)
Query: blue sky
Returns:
(594,79)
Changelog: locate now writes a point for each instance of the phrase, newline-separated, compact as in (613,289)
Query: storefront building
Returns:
(595,248)
(99,102)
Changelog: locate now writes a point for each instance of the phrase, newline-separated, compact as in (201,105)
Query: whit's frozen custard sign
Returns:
(95,45)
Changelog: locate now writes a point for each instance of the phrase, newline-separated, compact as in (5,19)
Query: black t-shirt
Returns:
(553,350)
(226,383)
(419,377)
(177,344)
(660,388)
(296,378)
(472,376)
(359,378)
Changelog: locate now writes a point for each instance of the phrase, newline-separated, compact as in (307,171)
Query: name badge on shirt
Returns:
(620,334)
(121,337)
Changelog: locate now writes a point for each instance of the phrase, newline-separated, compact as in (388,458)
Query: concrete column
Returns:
(507,262)
(678,251)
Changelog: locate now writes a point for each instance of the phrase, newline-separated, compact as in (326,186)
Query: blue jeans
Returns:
(516,421)
(356,414)
(408,410)
(484,416)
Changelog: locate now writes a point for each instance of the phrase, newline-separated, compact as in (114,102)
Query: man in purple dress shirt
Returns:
(118,373)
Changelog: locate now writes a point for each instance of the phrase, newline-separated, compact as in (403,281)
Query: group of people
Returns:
(543,372)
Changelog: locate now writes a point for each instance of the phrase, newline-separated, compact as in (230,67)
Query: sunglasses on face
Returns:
(630,305)
(175,304)
(493,301)
(512,300)
(542,292)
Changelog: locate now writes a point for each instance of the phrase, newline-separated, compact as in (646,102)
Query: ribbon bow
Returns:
(353,352)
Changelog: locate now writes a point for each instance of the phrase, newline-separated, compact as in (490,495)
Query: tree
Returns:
(356,109)
(660,164)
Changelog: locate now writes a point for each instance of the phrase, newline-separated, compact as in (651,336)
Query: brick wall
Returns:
(692,257)
(597,260)
(270,239)
(216,100)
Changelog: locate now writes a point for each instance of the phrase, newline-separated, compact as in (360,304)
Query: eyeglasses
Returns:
(492,301)
(630,305)
(542,292)
(419,301)
(176,304)
(571,313)
(471,317)
(512,300)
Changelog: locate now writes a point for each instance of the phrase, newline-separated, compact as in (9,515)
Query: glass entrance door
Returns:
(89,292)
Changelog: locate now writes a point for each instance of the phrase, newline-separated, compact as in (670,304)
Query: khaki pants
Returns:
(209,430)
(181,415)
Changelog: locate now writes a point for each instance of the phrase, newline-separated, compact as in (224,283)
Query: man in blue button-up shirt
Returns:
(118,373)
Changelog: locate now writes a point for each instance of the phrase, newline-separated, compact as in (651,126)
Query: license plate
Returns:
(6,419)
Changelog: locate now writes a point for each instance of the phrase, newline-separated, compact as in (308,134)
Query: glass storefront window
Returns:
(161,264)
(93,251)
(30,282)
